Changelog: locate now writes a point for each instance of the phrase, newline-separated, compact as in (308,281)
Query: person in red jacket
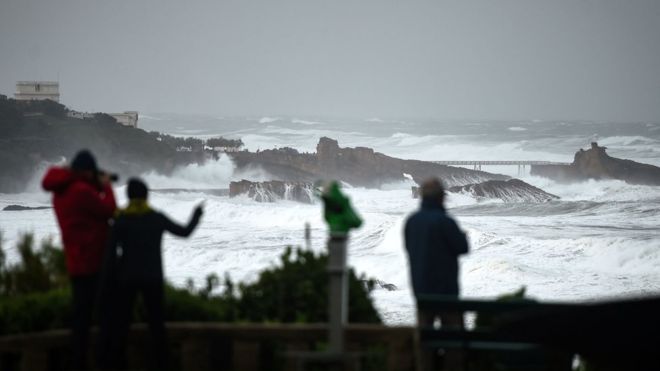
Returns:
(84,203)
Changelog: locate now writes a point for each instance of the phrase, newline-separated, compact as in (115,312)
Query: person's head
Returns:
(84,163)
(137,189)
(433,190)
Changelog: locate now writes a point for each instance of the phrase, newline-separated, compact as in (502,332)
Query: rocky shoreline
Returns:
(359,167)
(595,163)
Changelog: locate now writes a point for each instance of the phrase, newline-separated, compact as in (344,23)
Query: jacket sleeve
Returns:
(102,205)
(456,238)
(179,230)
(55,178)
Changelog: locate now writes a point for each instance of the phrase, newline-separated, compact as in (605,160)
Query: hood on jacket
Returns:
(57,179)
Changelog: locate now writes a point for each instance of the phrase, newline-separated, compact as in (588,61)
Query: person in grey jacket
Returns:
(433,243)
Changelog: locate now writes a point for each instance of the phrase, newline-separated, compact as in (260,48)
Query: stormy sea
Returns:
(600,240)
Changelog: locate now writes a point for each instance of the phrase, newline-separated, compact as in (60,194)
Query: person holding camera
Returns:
(84,203)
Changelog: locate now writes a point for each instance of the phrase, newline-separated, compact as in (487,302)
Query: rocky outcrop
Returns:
(595,163)
(372,285)
(513,190)
(273,190)
(360,166)
(219,192)
(24,208)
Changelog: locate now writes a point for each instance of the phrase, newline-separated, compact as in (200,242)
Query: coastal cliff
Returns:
(595,163)
(34,134)
(360,166)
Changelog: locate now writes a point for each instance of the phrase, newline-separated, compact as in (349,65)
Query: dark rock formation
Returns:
(371,285)
(360,166)
(386,286)
(513,190)
(24,208)
(595,163)
(415,191)
(273,190)
(221,192)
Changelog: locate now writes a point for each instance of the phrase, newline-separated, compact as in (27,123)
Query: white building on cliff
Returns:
(127,118)
(37,90)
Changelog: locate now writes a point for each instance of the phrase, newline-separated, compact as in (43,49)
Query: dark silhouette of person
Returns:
(84,203)
(135,256)
(434,243)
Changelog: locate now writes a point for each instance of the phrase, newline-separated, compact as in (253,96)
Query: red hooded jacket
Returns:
(83,211)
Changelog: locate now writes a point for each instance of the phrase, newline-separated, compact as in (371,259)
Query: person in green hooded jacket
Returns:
(134,267)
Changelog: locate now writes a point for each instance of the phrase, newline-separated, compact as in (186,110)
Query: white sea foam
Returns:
(267,120)
(306,122)
(148,117)
(213,174)
(599,240)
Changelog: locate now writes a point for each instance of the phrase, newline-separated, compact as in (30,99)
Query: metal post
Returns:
(308,236)
(338,291)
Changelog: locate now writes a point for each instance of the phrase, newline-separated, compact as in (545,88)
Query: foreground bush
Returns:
(35,293)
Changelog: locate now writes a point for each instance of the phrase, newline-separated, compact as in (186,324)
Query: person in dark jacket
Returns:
(135,253)
(434,242)
(84,203)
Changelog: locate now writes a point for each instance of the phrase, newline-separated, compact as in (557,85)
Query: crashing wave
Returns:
(274,190)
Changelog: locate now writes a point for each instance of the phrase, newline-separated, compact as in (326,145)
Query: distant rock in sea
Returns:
(220,192)
(273,190)
(24,208)
(595,163)
(513,190)
(359,167)
(378,284)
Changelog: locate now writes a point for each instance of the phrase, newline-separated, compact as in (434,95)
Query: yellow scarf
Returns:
(137,206)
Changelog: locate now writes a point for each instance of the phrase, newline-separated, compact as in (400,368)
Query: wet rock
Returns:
(378,284)
(513,190)
(24,208)
(220,192)
(273,190)
(360,166)
(595,163)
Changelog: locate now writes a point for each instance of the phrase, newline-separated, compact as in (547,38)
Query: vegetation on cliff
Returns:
(34,132)
(35,293)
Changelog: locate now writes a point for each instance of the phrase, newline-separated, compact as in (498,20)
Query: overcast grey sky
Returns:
(482,59)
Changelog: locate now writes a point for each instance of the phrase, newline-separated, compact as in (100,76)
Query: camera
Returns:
(114,177)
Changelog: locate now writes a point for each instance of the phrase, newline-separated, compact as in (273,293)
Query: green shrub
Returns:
(36,296)
(37,271)
(297,291)
(35,311)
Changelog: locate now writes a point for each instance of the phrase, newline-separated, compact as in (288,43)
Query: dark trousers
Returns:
(84,289)
(153,299)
